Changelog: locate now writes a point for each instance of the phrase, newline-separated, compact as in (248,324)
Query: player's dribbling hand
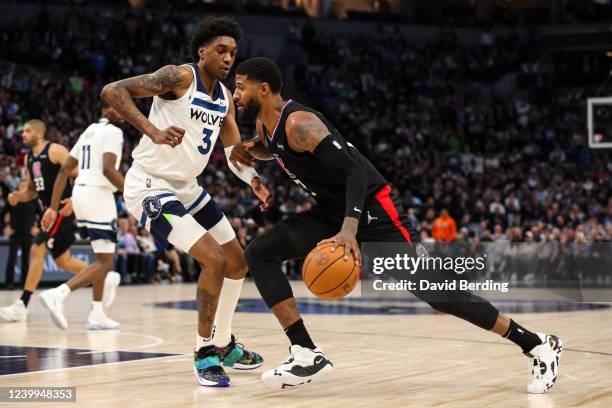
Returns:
(12,199)
(240,154)
(66,210)
(172,135)
(348,241)
(263,193)
(48,219)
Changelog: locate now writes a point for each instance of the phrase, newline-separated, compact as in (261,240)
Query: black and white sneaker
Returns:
(545,364)
(303,366)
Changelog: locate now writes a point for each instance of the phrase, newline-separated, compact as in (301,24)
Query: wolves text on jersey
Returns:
(206,117)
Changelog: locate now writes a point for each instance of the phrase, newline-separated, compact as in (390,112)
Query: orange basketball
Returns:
(327,274)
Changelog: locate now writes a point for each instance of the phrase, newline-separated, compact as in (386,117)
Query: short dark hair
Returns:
(262,69)
(210,28)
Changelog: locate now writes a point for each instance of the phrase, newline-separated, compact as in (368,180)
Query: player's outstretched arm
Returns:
(307,133)
(230,137)
(170,79)
(248,151)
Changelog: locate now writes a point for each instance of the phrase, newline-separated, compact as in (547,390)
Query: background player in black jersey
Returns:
(43,162)
(346,186)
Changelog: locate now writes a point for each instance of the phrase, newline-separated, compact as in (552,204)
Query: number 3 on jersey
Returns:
(207,143)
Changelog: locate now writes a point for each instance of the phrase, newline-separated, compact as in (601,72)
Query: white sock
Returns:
(63,290)
(202,342)
(228,299)
(96,306)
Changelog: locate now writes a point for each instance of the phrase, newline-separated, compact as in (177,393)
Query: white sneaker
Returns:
(545,363)
(53,300)
(17,312)
(97,320)
(111,282)
(303,366)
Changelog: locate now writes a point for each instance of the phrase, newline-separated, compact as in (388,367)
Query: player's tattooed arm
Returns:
(305,131)
(167,81)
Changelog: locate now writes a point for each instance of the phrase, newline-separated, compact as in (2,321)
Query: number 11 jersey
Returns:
(99,138)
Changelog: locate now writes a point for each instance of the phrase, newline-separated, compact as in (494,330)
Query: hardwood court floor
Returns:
(380,360)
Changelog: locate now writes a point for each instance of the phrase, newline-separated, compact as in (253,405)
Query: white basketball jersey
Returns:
(99,138)
(200,115)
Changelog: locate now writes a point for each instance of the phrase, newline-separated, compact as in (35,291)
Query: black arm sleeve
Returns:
(335,155)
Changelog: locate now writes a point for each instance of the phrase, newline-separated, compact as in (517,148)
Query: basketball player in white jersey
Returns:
(191,109)
(97,155)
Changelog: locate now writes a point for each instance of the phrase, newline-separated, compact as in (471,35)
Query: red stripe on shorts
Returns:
(57,224)
(387,204)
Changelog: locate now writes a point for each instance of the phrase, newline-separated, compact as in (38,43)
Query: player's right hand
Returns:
(12,199)
(48,219)
(172,135)
(240,154)
(348,241)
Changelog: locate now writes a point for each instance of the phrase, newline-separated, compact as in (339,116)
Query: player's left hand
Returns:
(66,210)
(263,193)
(48,219)
(349,242)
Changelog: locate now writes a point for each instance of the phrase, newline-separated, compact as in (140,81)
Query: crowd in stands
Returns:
(429,117)
(506,163)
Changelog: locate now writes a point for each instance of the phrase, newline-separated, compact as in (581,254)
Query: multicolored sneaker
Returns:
(207,368)
(234,355)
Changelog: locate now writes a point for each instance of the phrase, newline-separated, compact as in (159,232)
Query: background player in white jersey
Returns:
(43,163)
(191,109)
(97,155)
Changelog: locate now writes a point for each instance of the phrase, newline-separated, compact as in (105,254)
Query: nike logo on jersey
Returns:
(357,209)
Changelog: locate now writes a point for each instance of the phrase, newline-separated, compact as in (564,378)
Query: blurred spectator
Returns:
(148,253)
(444,228)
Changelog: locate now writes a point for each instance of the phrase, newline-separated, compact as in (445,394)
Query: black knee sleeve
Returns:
(264,257)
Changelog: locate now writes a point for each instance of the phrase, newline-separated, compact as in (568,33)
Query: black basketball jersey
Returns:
(306,171)
(44,172)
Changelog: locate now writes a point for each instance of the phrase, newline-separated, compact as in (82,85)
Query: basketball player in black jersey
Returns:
(43,162)
(347,188)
